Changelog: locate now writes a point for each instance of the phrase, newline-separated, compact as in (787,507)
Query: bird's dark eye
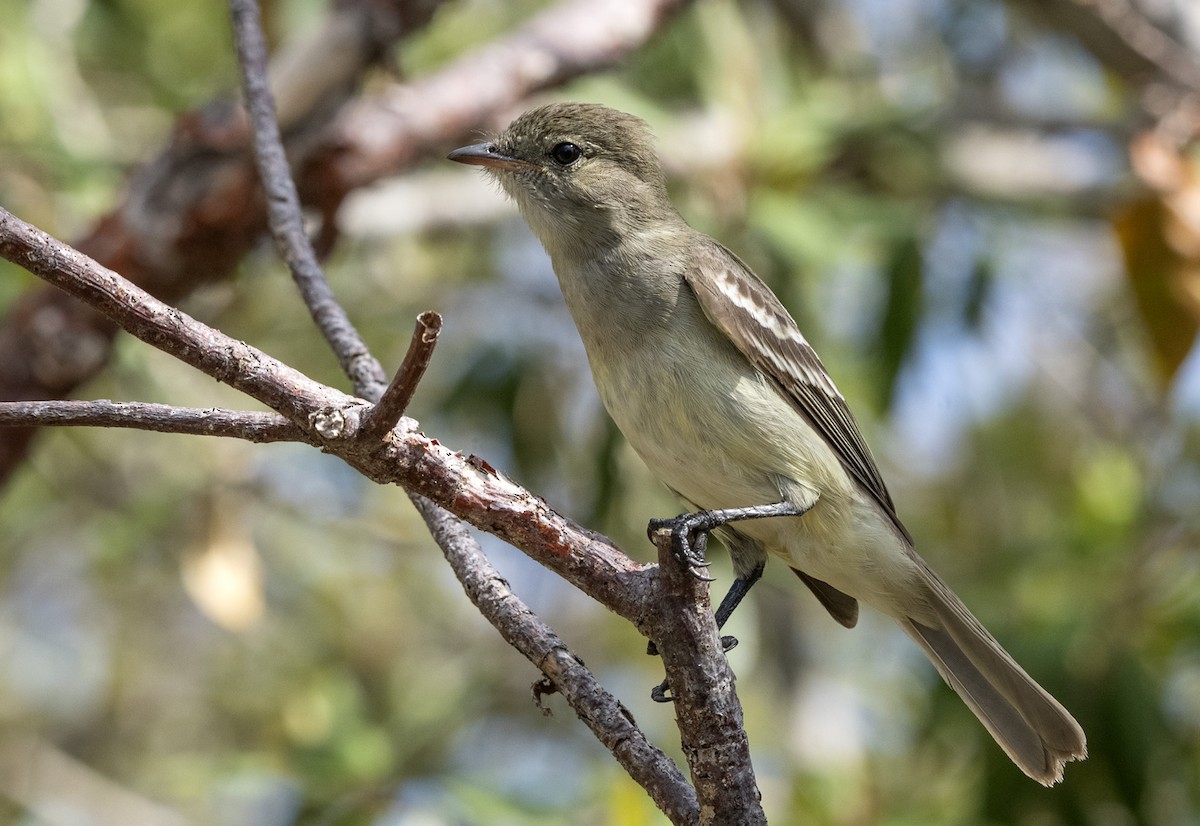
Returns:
(566,153)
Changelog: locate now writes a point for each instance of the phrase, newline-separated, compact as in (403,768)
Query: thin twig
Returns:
(599,710)
(283,208)
(253,426)
(391,406)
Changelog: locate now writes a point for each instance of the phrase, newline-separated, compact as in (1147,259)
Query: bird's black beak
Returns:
(487,154)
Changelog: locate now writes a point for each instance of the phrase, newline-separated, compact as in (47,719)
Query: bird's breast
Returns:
(702,418)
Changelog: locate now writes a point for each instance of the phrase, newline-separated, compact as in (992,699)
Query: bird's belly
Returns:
(730,440)
(703,442)
(722,436)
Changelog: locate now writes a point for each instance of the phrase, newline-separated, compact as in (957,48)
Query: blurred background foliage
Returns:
(942,191)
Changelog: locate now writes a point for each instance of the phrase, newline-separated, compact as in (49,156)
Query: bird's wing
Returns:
(742,307)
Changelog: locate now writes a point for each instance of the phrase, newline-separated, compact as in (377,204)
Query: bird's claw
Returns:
(689,538)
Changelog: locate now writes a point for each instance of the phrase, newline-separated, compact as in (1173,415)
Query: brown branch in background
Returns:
(1137,49)
(382,134)
(391,405)
(283,208)
(601,712)
(709,713)
(252,426)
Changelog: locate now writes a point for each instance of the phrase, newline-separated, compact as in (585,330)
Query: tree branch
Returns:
(466,486)
(161,418)
(160,325)
(283,208)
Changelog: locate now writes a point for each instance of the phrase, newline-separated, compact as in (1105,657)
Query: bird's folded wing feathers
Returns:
(742,307)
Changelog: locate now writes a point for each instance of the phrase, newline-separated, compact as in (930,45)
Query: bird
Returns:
(715,387)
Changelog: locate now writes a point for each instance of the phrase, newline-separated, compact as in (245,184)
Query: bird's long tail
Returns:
(1031,726)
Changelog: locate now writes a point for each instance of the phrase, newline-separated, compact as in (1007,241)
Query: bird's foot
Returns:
(689,531)
(689,538)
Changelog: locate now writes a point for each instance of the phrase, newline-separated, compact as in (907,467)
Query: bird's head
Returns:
(580,173)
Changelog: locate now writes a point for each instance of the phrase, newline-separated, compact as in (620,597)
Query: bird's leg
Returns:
(689,531)
(689,538)
(740,587)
